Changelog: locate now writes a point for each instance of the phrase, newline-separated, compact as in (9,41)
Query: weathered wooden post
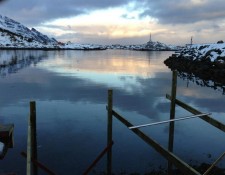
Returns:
(172,116)
(109,131)
(32,140)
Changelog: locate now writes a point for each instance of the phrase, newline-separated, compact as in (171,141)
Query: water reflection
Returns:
(201,82)
(13,61)
(111,70)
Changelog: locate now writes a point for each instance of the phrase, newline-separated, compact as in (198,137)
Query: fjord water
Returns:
(70,90)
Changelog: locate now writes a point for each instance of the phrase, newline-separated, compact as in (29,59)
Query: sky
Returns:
(122,21)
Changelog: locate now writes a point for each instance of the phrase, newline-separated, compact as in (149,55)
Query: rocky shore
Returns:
(206,61)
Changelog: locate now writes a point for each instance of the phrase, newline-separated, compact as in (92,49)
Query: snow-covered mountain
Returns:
(15,35)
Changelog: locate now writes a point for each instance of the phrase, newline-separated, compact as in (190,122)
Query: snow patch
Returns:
(211,52)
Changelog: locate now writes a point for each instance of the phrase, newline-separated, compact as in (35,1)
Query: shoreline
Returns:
(201,69)
(86,49)
(205,61)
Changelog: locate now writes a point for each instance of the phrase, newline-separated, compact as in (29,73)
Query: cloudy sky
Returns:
(122,21)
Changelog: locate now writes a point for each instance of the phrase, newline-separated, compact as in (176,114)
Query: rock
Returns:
(205,61)
(220,42)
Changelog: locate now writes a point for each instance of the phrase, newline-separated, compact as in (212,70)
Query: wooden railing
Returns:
(166,153)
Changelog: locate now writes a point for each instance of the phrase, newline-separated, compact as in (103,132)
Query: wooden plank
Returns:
(206,118)
(184,167)
(214,164)
(40,165)
(98,159)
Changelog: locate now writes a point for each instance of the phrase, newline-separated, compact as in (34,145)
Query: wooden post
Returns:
(32,140)
(29,149)
(172,116)
(109,131)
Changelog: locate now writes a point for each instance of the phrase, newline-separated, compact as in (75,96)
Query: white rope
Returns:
(167,121)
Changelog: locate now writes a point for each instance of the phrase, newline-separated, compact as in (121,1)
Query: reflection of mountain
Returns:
(201,82)
(11,62)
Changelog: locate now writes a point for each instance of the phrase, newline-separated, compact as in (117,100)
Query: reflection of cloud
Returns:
(113,65)
(122,73)
(140,86)
(86,78)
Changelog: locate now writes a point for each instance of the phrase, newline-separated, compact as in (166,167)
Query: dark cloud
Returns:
(2,1)
(35,12)
(183,11)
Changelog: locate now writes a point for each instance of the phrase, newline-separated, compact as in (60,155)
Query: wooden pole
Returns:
(172,116)
(29,149)
(109,131)
(33,136)
(40,165)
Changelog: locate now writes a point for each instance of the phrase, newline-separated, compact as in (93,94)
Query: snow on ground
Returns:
(82,46)
(210,52)
(4,40)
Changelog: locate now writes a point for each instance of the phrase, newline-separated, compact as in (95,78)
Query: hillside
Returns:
(15,35)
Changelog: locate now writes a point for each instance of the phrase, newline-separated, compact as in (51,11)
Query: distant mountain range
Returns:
(14,35)
(149,46)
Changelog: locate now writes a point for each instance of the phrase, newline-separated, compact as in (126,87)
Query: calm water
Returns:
(70,89)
